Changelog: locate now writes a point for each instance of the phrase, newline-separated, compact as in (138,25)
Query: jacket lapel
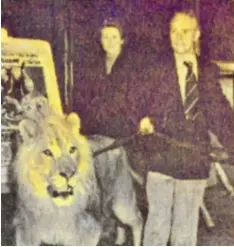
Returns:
(174,107)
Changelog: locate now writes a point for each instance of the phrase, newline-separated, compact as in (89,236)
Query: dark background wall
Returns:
(144,24)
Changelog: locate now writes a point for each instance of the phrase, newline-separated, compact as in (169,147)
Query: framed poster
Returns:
(27,76)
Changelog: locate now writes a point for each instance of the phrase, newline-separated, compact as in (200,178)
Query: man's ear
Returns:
(28,129)
(197,35)
(122,41)
(74,120)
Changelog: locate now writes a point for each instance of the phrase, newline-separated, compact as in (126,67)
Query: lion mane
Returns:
(64,195)
(55,179)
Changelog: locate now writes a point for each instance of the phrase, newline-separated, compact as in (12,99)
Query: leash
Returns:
(121,142)
(214,153)
(116,144)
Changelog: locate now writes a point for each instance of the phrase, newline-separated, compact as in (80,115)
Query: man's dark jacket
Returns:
(166,110)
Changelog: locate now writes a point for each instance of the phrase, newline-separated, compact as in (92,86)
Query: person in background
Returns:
(105,97)
(189,102)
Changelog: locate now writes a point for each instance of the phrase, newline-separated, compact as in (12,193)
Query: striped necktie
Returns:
(191,93)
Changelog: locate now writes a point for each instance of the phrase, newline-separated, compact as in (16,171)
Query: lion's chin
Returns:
(63,201)
(61,198)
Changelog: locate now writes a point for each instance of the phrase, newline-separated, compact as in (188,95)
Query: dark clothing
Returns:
(215,111)
(109,104)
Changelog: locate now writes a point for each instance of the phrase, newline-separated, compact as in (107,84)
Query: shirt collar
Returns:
(181,59)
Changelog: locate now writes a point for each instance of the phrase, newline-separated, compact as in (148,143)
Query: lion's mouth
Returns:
(64,193)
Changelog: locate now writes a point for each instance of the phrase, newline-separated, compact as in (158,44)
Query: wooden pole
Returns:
(207,217)
(68,59)
(66,69)
(71,70)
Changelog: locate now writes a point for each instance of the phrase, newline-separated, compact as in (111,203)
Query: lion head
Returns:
(53,159)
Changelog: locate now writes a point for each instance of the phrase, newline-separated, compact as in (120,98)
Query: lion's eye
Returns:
(72,149)
(48,152)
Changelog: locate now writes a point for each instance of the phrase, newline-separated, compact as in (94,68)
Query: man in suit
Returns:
(189,102)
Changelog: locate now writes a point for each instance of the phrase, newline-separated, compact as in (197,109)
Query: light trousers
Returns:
(173,210)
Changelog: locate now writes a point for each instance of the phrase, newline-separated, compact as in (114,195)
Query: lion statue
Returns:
(64,194)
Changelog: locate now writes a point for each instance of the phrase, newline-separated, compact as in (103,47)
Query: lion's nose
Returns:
(67,170)
(62,174)
(67,173)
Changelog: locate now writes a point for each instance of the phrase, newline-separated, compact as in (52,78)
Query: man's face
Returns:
(111,40)
(183,33)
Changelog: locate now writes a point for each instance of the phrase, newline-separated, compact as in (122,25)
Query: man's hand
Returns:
(146,127)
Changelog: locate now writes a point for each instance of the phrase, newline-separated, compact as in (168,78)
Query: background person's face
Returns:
(111,40)
(28,84)
(183,33)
